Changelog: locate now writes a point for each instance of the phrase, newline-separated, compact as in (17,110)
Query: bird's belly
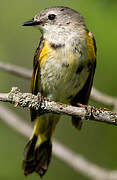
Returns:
(61,81)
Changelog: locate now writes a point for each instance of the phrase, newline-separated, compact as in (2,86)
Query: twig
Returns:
(75,161)
(16,70)
(104,98)
(44,105)
(95,94)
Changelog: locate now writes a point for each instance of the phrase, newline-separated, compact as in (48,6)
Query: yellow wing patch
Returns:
(45,52)
(90,47)
(35,77)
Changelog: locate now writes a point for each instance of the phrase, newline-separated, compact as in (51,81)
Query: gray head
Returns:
(58,23)
(60,17)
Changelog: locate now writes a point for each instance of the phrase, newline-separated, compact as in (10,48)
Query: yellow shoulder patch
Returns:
(90,47)
(45,52)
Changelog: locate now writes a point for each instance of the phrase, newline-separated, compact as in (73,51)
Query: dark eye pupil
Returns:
(51,16)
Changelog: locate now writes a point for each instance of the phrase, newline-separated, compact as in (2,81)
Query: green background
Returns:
(96,142)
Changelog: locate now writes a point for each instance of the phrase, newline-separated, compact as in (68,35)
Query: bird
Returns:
(63,71)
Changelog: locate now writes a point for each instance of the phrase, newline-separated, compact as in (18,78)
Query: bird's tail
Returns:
(37,158)
(37,154)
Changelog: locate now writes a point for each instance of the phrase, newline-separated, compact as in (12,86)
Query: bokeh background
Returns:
(96,142)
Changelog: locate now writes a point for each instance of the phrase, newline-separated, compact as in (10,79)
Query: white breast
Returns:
(59,79)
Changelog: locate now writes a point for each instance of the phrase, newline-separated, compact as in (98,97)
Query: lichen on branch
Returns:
(44,105)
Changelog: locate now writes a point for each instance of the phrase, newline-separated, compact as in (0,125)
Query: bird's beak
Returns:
(31,23)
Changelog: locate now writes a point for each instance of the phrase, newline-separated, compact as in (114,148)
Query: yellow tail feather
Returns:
(37,153)
(37,158)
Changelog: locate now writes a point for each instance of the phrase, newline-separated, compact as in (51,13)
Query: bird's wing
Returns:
(82,96)
(35,76)
(36,68)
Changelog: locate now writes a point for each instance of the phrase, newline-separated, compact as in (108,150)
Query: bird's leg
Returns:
(40,99)
(80,105)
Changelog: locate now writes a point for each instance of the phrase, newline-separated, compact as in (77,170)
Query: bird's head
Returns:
(56,19)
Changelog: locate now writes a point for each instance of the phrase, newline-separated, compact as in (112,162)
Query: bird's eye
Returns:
(51,16)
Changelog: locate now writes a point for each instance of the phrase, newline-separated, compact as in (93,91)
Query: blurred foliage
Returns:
(96,142)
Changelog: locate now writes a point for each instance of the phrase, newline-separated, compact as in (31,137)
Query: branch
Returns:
(75,161)
(95,94)
(16,70)
(44,105)
(104,98)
